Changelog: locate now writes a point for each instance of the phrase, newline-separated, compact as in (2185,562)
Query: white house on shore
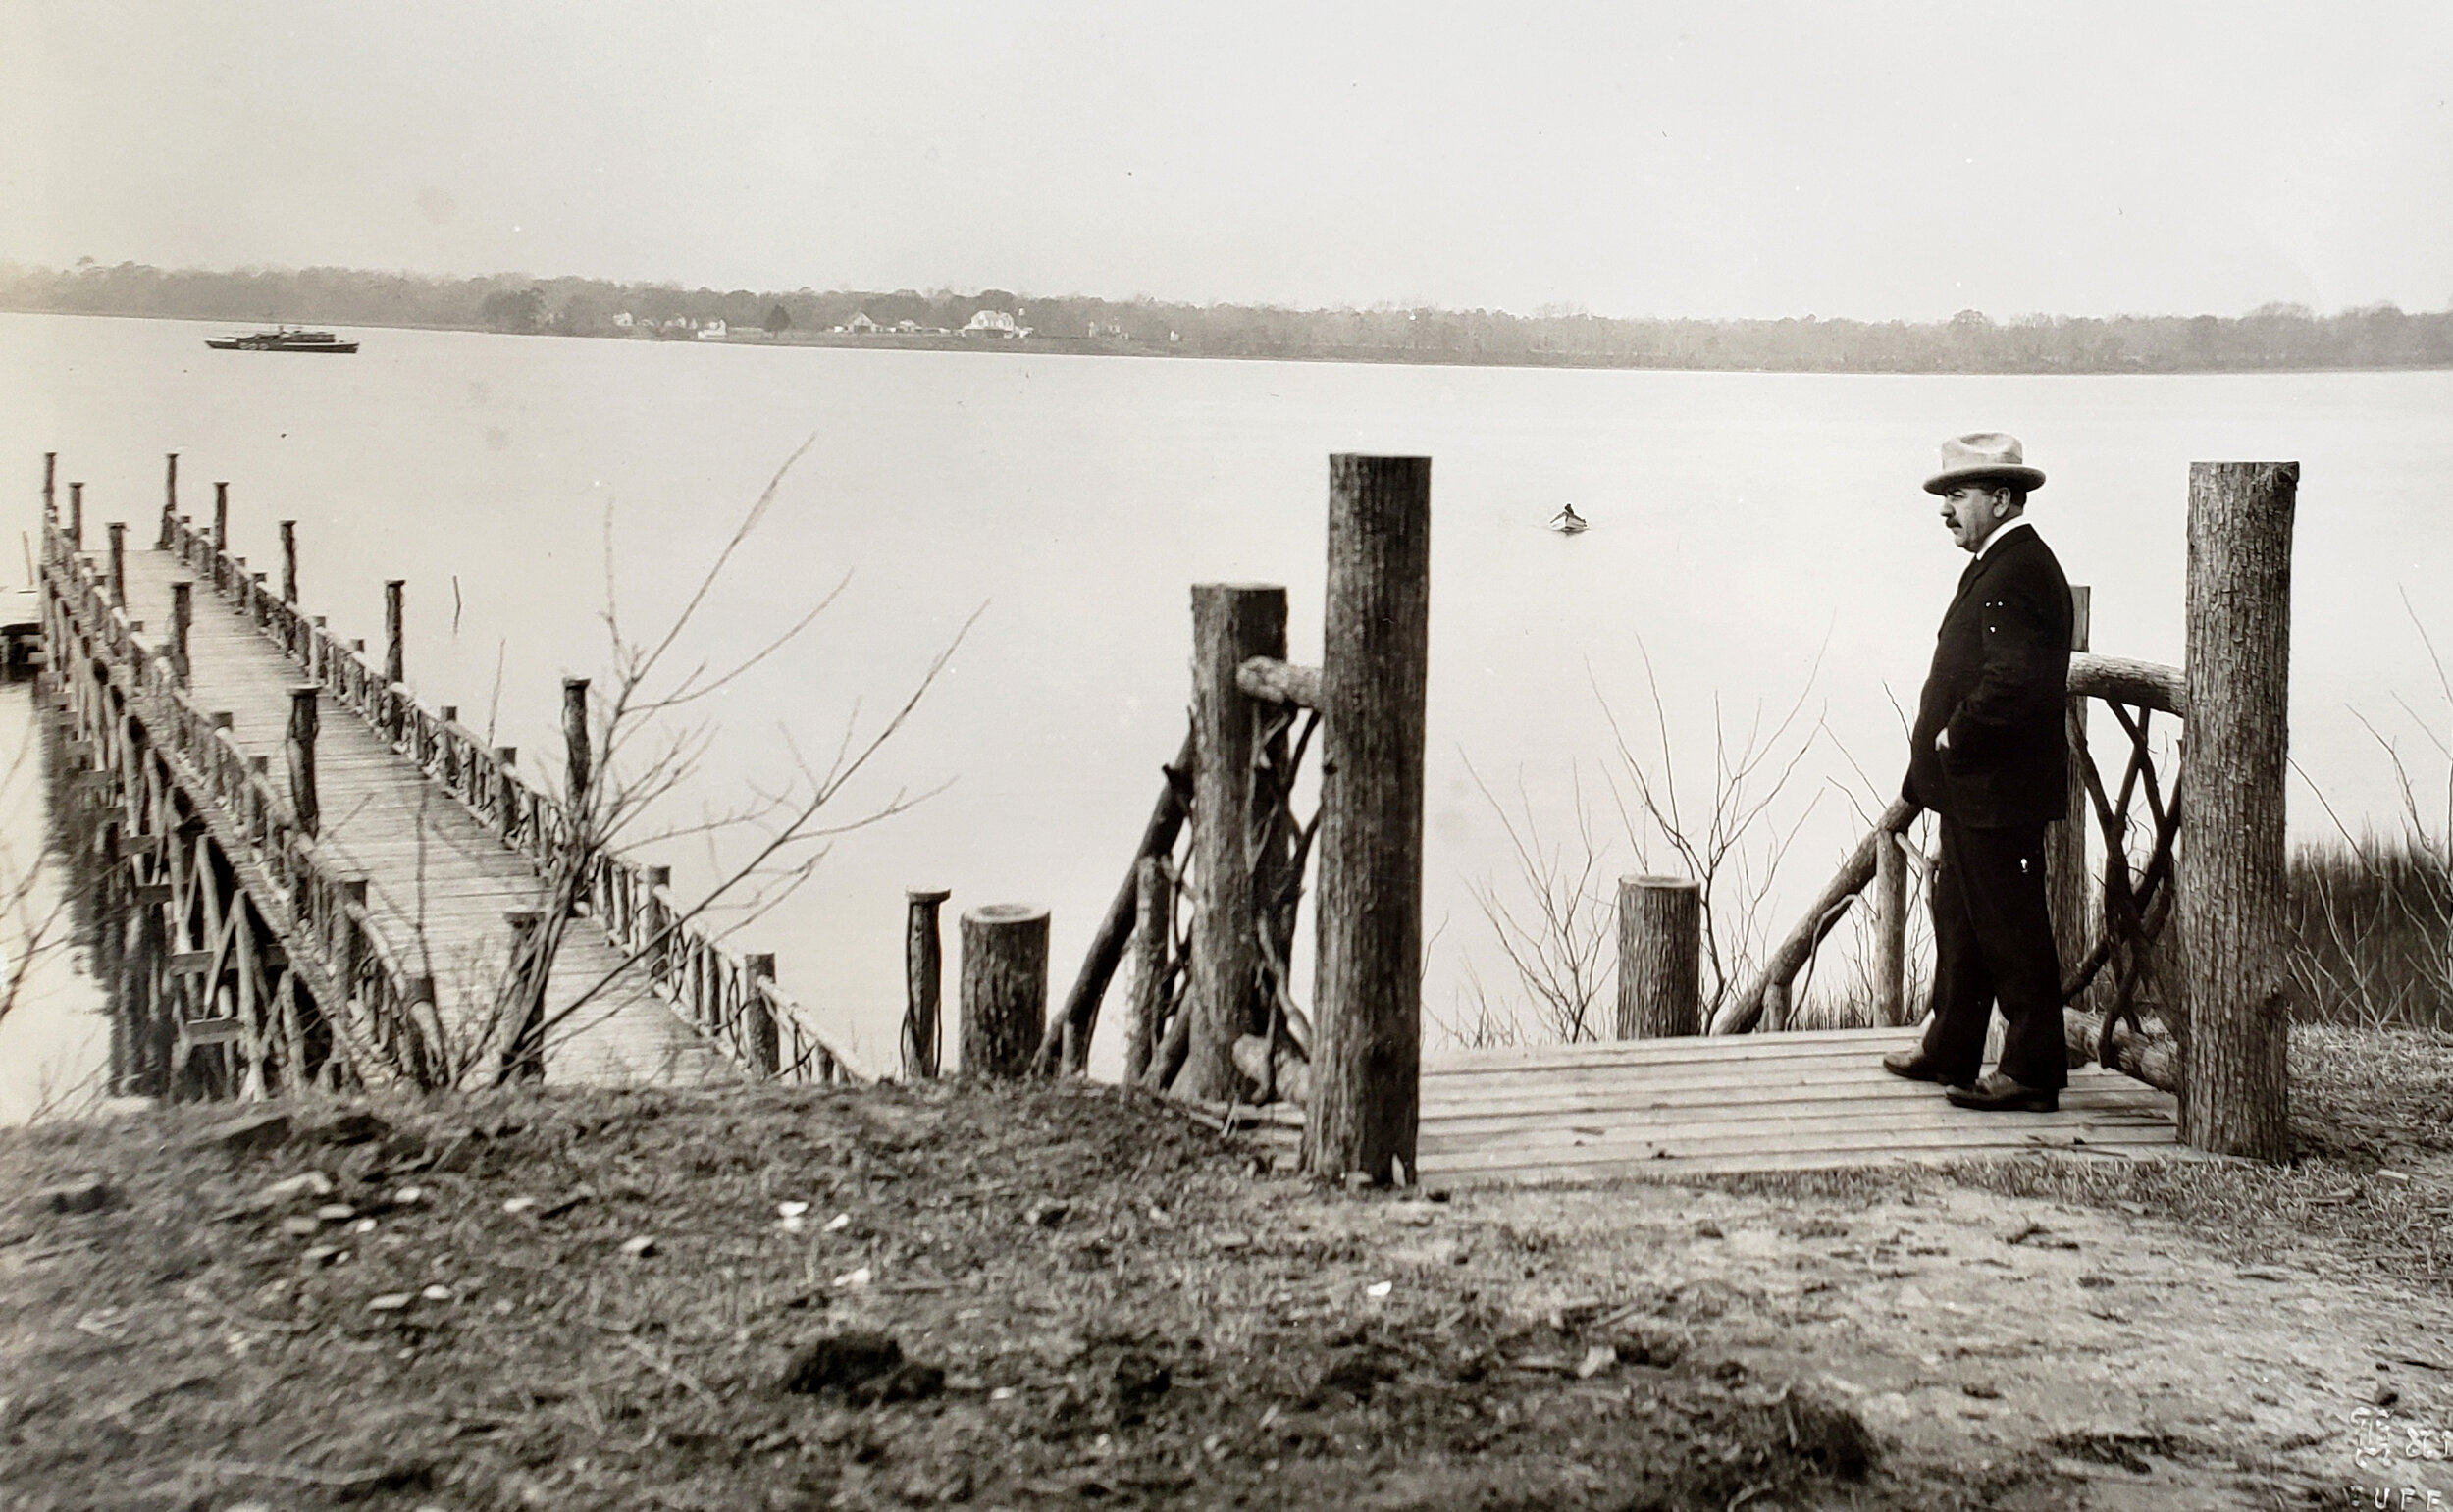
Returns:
(994,323)
(712,330)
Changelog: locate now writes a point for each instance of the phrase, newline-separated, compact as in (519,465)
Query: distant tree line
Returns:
(2276,337)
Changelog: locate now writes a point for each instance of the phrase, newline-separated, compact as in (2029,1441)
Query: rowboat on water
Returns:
(284,339)
(1567,522)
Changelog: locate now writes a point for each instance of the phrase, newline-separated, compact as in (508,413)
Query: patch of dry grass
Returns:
(1119,1308)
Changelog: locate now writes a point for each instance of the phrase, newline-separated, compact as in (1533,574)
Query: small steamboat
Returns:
(284,339)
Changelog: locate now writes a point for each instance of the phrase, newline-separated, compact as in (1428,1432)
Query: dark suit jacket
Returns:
(2001,672)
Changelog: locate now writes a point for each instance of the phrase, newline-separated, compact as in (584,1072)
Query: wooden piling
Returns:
(2066,881)
(523,1045)
(1154,914)
(183,615)
(76,516)
(50,471)
(2235,1098)
(301,745)
(578,762)
(506,792)
(396,662)
(170,502)
(1890,929)
(289,561)
(924,976)
(658,934)
(762,1039)
(1005,987)
(221,527)
(1232,623)
(1660,954)
(1366,1065)
(118,530)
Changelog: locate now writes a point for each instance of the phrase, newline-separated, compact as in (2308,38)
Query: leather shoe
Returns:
(1996,1093)
(1913,1064)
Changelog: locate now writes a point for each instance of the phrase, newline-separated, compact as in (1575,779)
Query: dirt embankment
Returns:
(1032,1296)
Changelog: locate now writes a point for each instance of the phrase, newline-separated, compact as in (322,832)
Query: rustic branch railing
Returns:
(384,1002)
(2136,903)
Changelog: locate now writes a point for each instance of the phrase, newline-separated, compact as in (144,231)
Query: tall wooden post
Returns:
(182,614)
(1661,957)
(1154,897)
(658,934)
(303,722)
(521,1039)
(1367,1046)
(50,472)
(578,758)
(1231,622)
(1005,987)
(2235,1099)
(289,561)
(395,663)
(2067,880)
(170,502)
(762,1039)
(1891,930)
(923,984)
(118,563)
(221,527)
(507,811)
(76,516)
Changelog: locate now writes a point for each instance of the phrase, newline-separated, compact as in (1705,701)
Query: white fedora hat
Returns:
(1983,454)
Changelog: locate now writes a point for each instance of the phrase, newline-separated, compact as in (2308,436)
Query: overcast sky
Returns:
(1875,160)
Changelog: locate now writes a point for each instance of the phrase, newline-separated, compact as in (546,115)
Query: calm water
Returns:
(1761,536)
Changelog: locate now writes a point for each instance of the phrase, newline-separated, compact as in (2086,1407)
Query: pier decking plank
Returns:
(438,882)
(1671,1108)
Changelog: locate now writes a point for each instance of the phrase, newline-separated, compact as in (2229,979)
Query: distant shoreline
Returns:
(1078,346)
(2275,339)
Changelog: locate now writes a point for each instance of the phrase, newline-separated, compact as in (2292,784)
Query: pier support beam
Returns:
(1005,987)
(301,745)
(221,527)
(396,659)
(1153,940)
(170,502)
(76,516)
(182,614)
(2235,1100)
(578,760)
(924,976)
(1889,930)
(50,471)
(1232,623)
(1367,1049)
(2066,881)
(289,561)
(1660,949)
(118,563)
(761,1038)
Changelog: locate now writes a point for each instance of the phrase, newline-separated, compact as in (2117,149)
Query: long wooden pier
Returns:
(265,935)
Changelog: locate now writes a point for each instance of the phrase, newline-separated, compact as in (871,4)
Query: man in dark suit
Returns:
(1990,757)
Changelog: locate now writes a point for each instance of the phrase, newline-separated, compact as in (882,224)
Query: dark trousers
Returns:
(1993,940)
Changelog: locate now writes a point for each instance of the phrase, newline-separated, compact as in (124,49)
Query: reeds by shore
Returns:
(2372,932)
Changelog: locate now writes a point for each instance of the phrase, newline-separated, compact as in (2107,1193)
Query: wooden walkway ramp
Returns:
(438,882)
(1668,1108)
